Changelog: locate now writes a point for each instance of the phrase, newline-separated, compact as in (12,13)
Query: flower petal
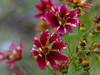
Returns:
(59,45)
(1,56)
(34,53)
(53,37)
(36,42)
(41,62)
(10,64)
(44,36)
(63,10)
(54,8)
(61,30)
(50,17)
(72,13)
(39,15)
(38,7)
(51,62)
(69,28)
(74,21)
(57,56)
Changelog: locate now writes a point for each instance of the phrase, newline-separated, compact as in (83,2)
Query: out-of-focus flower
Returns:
(80,3)
(41,25)
(13,54)
(97,19)
(63,66)
(43,7)
(45,53)
(5,55)
(82,45)
(95,48)
(18,72)
(60,19)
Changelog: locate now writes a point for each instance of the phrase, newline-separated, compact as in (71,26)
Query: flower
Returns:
(5,55)
(60,19)
(15,55)
(45,53)
(80,3)
(43,7)
(18,72)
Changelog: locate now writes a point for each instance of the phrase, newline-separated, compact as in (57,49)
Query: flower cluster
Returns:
(13,54)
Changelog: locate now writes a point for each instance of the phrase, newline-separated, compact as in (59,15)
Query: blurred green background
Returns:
(17,24)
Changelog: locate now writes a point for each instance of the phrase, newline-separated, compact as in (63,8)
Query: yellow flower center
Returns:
(44,51)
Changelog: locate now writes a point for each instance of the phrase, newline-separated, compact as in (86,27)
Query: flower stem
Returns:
(25,73)
(88,72)
(51,70)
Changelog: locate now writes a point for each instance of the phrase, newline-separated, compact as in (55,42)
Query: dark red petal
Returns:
(41,62)
(59,45)
(39,15)
(34,53)
(57,56)
(44,37)
(36,42)
(50,17)
(63,10)
(61,30)
(69,28)
(43,3)
(73,13)
(50,2)
(54,8)
(38,7)
(74,21)
(53,37)
(51,62)
(21,45)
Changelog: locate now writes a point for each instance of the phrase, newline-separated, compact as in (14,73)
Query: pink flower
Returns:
(60,19)
(80,3)
(43,7)
(15,55)
(44,52)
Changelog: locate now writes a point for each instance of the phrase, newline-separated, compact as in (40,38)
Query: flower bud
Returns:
(82,45)
(97,19)
(92,34)
(85,65)
(80,59)
(79,11)
(97,29)
(82,27)
(87,52)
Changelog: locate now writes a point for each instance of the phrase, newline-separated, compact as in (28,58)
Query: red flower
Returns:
(80,3)
(60,19)
(43,7)
(43,52)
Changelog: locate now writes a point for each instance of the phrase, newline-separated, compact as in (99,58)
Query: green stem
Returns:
(51,70)
(25,73)
(88,72)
